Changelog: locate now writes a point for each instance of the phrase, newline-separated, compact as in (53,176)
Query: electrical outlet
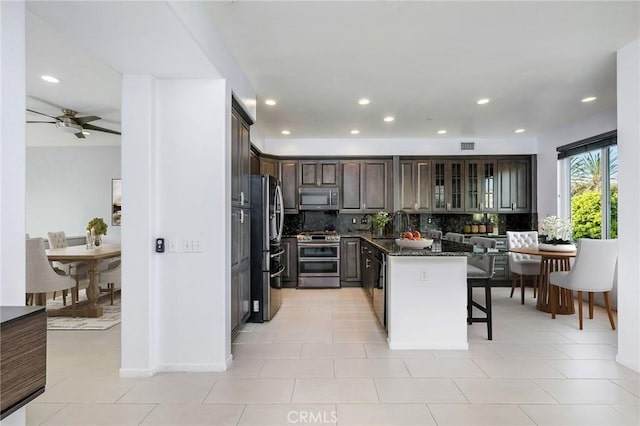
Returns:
(256,306)
(192,246)
(353,220)
(173,245)
(429,220)
(423,275)
(363,221)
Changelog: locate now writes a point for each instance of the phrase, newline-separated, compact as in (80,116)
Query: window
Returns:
(591,167)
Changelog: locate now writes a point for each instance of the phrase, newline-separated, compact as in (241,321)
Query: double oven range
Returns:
(319,260)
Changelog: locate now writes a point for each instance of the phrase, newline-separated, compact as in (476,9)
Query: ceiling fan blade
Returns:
(51,122)
(99,129)
(79,135)
(83,120)
(42,113)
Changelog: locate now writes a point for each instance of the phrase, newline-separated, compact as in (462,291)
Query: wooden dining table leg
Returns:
(580,308)
(590,305)
(93,292)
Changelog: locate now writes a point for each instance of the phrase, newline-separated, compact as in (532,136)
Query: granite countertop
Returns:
(447,248)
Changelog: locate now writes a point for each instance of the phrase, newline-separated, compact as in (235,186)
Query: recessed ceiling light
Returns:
(518,131)
(442,132)
(389,118)
(50,79)
(84,132)
(364,101)
(270,102)
(589,99)
(483,101)
(355,131)
(285,132)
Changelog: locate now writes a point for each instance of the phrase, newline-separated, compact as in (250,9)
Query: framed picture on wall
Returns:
(116,202)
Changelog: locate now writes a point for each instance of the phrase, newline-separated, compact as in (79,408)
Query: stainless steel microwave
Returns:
(319,199)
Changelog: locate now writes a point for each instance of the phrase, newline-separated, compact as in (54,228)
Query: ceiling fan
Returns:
(69,123)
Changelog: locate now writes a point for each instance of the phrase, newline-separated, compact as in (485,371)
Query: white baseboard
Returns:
(136,372)
(436,346)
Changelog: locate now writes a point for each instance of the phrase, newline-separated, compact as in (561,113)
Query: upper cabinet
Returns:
(415,186)
(365,186)
(480,186)
(269,166)
(240,156)
(447,185)
(318,173)
(289,180)
(514,185)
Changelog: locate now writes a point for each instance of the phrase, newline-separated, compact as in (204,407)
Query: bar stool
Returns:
(480,269)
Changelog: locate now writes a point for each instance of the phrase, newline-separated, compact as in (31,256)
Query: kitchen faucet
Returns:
(397,225)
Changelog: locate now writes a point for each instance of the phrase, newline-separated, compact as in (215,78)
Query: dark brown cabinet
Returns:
(318,173)
(514,185)
(289,179)
(240,156)
(448,185)
(290,261)
(269,166)
(415,186)
(365,186)
(350,261)
(480,186)
(240,215)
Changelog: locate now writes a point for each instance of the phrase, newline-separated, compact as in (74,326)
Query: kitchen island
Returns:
(426,295)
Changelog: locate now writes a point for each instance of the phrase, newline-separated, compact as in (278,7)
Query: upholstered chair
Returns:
(109,278)
(523,265)
(593,271)
(452,236)
(41,277)
(76,270)
(480,269)
(434,234)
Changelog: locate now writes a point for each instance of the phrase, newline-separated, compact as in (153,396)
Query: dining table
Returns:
(551,261)
(91,257)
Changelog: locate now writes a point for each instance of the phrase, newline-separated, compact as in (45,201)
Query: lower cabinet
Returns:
(240,266)
(290,261)
(350,262)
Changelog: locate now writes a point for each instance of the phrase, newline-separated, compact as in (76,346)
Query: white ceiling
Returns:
(426,63)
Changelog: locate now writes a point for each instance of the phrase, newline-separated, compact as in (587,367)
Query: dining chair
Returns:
(523,265)
(594,270)
(453,236)
(41,278)
(434,234)
(109,278)
(76,270)
(480,269)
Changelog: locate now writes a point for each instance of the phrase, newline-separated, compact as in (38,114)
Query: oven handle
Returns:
(318,259)
(279,272)
(302,245)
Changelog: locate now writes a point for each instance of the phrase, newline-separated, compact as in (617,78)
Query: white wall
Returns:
(12,153)
(68,186)
(629,205)
(548,156)
(364,146)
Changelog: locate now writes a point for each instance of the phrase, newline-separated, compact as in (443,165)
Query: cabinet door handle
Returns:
(241,216)
(448,206)
(242,198)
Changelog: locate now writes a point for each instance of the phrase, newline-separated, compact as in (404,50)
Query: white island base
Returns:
(426,302)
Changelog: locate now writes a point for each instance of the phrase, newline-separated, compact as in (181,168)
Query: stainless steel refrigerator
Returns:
(267,219)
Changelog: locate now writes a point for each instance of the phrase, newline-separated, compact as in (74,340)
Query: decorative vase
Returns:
(482,228)
(466,229)
(474,229)
(557,247)
(379,231)
(98,240)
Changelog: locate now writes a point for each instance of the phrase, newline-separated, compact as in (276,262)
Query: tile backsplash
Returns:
(343,223)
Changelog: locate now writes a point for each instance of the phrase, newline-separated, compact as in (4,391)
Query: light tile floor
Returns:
(324,360)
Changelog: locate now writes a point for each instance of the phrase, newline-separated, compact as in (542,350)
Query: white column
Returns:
(628,79)
(140,332)
(12,153)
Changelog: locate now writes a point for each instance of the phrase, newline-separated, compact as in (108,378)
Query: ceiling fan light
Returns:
(69,127)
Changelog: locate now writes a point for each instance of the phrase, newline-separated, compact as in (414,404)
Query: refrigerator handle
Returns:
(280,211)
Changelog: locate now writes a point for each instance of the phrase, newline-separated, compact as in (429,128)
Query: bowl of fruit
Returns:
(414,240)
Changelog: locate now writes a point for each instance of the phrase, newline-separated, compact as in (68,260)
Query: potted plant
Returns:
(95,229)
(379,220)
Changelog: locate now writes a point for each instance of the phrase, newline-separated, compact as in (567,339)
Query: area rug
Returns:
(110,317)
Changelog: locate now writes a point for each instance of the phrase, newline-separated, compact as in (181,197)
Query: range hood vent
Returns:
(467,146)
